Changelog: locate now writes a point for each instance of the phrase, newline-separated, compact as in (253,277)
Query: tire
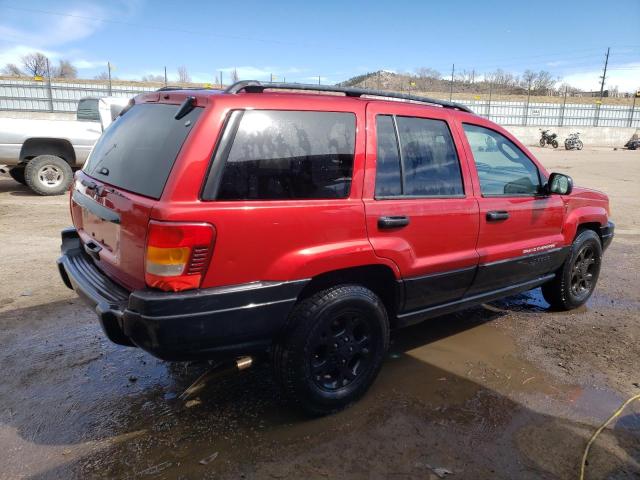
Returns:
(334,348)
(17,173)
(579,145)
(554,143)
(48,175)
(576,280)
(542,142)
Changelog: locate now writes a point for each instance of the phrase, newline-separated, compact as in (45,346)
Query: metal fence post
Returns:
(564,105)
(526,108)
(489,104)
(596,114)
(633,108)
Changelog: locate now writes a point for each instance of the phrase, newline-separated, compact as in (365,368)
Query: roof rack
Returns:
(254,86)
(170,89)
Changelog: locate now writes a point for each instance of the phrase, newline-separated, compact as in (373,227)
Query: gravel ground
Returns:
(505,390)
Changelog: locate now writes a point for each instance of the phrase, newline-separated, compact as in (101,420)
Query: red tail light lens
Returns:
(177,254)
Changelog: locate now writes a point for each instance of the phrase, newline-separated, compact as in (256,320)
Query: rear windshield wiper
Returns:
(188,105)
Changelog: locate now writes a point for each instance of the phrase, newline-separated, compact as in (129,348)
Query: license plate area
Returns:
(101,231)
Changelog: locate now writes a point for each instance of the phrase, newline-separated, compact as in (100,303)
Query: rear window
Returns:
(136,153)
(288,155)
(88,110)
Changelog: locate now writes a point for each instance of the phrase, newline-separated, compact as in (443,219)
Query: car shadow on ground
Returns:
(101,410)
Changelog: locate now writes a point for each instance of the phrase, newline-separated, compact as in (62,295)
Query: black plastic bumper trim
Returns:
(606,234)
(205,323)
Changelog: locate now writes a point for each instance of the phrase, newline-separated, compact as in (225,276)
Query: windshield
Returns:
(136,153)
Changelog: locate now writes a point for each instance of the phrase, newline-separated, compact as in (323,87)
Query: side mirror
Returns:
(560,184)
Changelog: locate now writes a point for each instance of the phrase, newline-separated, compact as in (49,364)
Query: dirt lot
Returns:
(506,390)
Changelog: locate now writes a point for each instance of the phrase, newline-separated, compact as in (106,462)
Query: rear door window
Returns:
(288,155)
(137,152)
(416,158)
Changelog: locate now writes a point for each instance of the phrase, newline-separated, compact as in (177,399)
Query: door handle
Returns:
(393,222)
(497,215)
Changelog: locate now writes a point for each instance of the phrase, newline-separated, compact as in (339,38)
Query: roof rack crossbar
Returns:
(253,86)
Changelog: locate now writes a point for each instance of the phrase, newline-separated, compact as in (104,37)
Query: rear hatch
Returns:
(124,177)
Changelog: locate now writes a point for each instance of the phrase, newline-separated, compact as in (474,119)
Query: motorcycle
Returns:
(548,139)
(573,142)
(633,144)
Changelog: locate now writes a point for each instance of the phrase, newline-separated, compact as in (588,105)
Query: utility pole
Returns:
(318,79)
(220,78)
(271,77)
(165,76)
(109,71)
(604,74)
(453,69)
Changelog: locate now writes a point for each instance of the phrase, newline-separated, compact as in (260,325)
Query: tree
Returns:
(234,76)
(102,76)
(36,64)
(153,78)
(430,73)
(183,75)
(12,70)
(65,70)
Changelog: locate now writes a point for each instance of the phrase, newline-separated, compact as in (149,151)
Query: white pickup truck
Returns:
(43,153)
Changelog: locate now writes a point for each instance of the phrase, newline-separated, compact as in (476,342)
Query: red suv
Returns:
(267,218)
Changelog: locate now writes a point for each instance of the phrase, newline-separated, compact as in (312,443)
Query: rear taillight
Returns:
(177,254)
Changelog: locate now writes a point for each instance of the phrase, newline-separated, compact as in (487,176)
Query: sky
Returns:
(301,40)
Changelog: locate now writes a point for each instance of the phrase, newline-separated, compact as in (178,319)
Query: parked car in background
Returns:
(43,153)
(213,224)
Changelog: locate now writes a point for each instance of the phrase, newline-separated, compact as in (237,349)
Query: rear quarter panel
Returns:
(270,240)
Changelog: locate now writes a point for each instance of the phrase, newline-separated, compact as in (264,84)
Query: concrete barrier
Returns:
(590,136)
(38,115)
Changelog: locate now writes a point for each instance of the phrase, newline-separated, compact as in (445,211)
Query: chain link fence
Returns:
(63,97)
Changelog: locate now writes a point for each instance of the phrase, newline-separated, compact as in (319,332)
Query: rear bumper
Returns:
(205,323)
(606,234)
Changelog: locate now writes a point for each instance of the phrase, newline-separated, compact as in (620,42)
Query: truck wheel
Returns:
(576,279)
(17,173)
(48,175)
(334,350)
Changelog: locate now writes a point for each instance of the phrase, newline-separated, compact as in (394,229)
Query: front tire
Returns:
(334,349)
(17,173)
(48,175)
(554,143)
(542,142)
(580,145)
(576,280)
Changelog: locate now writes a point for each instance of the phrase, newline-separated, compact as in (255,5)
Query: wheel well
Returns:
(377,278)
(34,147)
(595,226)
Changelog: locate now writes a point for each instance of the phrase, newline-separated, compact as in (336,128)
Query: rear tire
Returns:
(48,175)
(576,280)
(580,145)
(333,350)
(17,173)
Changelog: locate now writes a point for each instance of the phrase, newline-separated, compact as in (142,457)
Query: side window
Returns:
(388,171)
(503,169)
(421,162)
(285,155)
